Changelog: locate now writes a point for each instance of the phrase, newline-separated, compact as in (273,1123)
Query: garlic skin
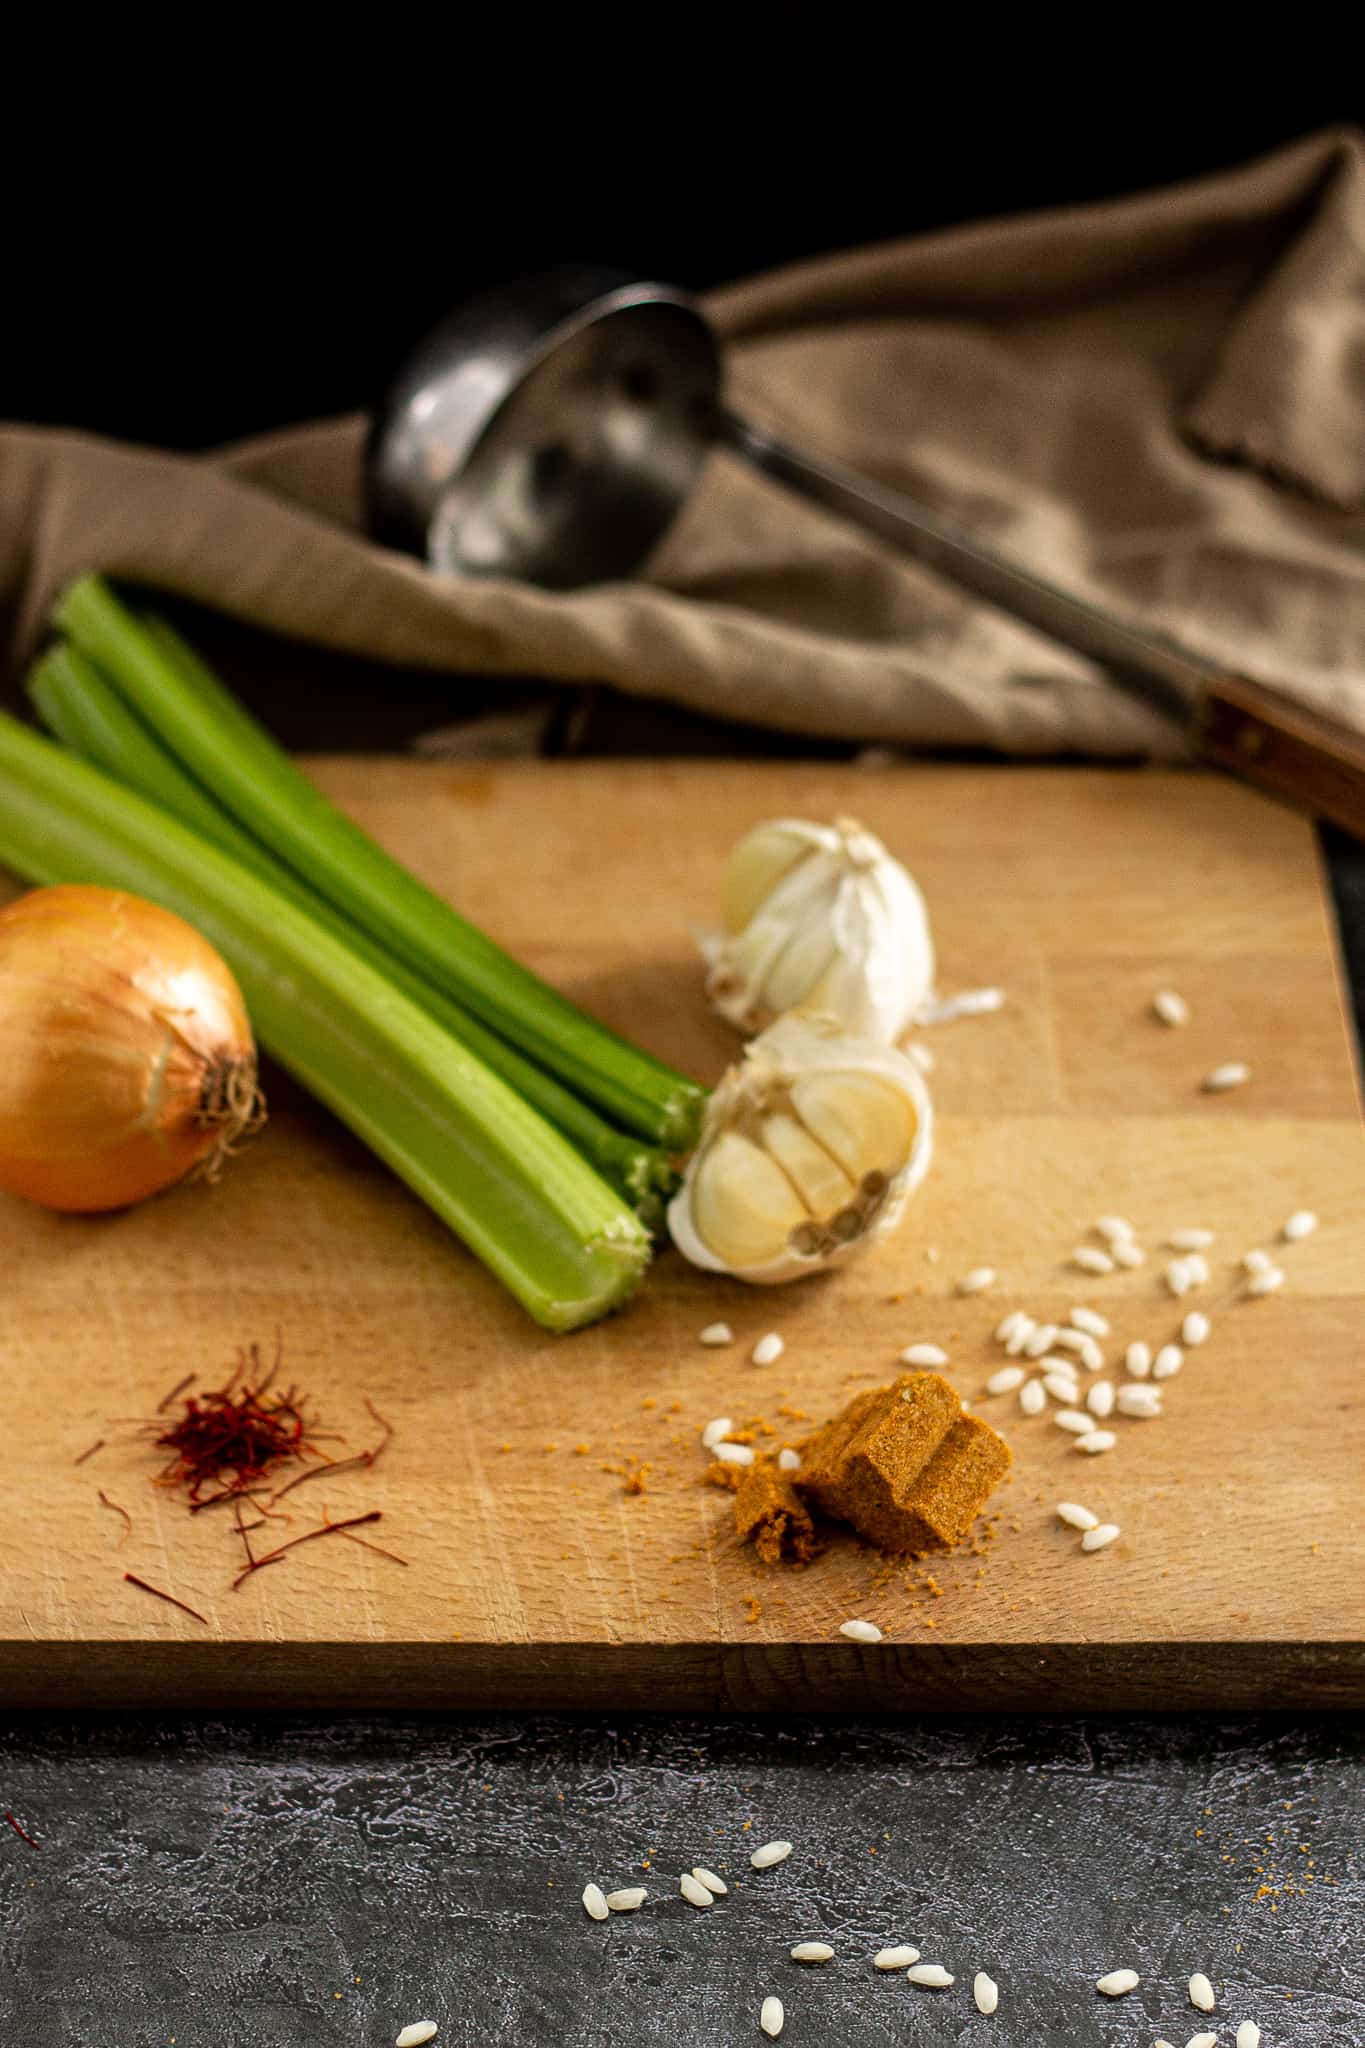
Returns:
(811,1147)
(820,918)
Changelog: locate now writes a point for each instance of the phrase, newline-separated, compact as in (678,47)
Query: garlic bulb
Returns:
(822,918)
(811,1145)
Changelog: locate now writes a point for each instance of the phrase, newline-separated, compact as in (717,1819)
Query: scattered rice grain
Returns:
(717,1333)
(1075,1516)
(716,1432)
(1100,1399)
(771,2016)
(1141,1402)
(1191,1239)
(695,1893)
(860,1631)
(628,1900)
(1006,1380)
(1129,1254)
(1006,1328)
(1301,1224)
(1170,1007)
(932,1975)
(417,2034)
(1195,1328)
(1062,1387)
(788,1460)
(1167,1362)
(1118,1983)
(594,1902)
(770,1853)
(812,1952)
(1023,1331)
(924,1354)
(1075,1420)
(1232,1074)
(977,1281)
(1256,1261)
(1091,1259)
(1178,1277)
(735,1454)
(986,1992)
(1202,2041)
(1137,1360)
(1114,1229)
(710,1880)
(1033,1397)
(1201,1993)
(768,1349)
(1267,1282)
(899,1958)
(972,1002)
(1101,1538)
(1091,1321)
(1098,1440)
(1040,1339)
(1248,2035)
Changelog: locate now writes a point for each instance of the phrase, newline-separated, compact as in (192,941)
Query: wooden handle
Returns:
(1283,746)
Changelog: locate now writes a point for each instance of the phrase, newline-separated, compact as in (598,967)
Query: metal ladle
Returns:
(550,430)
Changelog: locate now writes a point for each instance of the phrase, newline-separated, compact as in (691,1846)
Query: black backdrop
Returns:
(205,241)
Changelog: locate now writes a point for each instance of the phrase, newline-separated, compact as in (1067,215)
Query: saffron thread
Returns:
(105,1501)
(164,1403)
(91,1452)
(22,1833)
(309,1536)
(169,1598)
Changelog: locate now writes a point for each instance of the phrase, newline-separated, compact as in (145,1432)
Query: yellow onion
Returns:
(126,1054)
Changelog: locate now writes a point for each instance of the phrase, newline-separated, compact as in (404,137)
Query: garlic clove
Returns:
(799,968)
(759,863)
(864,1122)
(822,1185)
(744,1207)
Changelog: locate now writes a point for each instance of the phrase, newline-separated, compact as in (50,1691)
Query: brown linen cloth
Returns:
(1159,403)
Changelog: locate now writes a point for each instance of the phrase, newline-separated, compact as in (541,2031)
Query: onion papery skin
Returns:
(126,1052)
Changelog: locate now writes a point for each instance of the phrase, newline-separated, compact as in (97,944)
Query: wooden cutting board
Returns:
(546,1493)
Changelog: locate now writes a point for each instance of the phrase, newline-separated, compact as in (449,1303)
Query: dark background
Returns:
(211,234)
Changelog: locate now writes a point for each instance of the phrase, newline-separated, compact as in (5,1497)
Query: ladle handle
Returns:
(1169,678)
(1260,734)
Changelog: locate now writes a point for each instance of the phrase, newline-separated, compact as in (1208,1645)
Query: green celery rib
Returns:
(87,714)
(213,737)
(563,1242)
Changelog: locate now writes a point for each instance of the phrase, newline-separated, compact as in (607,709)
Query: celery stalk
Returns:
(82,708)
(213,737)
(511,1186)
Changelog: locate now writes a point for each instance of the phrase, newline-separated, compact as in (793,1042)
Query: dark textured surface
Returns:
(218,1885)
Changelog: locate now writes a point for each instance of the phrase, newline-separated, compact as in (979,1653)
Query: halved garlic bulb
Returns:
(820,918)
(811,1146)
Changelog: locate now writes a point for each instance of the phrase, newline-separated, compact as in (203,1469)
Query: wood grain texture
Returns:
(534,1576)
